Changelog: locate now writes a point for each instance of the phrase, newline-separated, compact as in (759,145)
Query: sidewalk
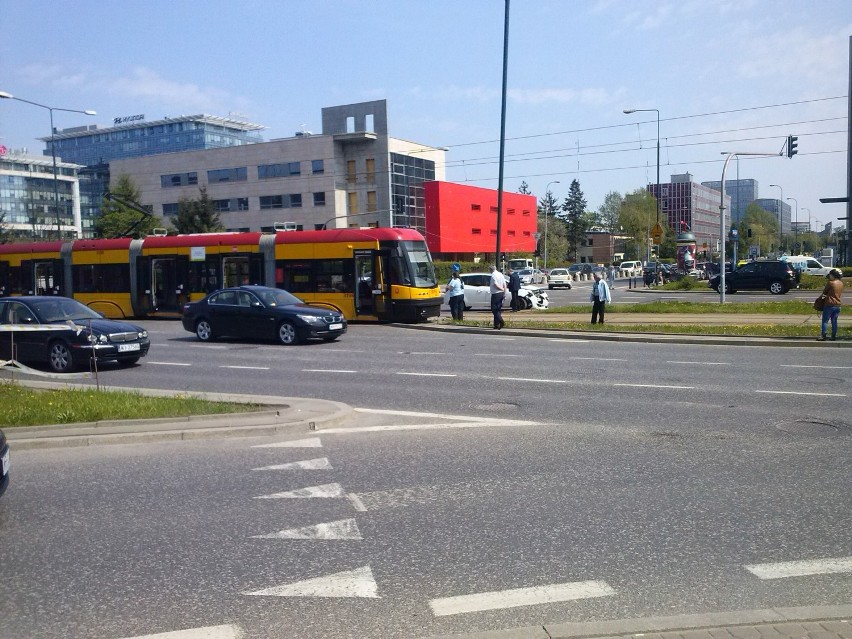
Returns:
(811,622)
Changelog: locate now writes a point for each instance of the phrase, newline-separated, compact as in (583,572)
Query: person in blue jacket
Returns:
(599,297)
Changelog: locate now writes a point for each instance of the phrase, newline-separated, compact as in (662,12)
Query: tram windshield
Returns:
(418,265)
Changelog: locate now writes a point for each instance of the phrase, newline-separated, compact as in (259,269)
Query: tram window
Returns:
(297,277)
(101,278)
(399,271)
(334,276)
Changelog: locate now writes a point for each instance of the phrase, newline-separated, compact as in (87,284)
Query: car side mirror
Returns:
(256,305)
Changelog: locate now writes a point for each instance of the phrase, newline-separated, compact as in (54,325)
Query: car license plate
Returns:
(4,464)
(335,327)
(125,348)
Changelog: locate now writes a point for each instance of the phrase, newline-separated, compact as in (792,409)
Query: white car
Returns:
(477,293)
(532,276)
(559,277)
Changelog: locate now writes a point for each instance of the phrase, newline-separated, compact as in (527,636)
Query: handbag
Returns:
(819,303)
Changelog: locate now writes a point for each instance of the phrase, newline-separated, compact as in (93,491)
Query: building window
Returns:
(319,198)
(239,174)
(475,207)
(170,209)
(295,200)
(510,233)
(371,201)
(178,179)
(525,212)
(476,231)
(317,167)
(242,204)
(351,202)
(271,202)
(350,171)
(222,206)
(493,209)
(284,169)
(371,170)
(510,211)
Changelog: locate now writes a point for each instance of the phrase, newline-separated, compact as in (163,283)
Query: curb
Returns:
(685,623)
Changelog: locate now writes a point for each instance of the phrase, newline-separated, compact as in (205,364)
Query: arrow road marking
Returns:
(783,569)
(321,463)
(310,442)
(519,597)
(352,583)
(343,529)
(207,632)
(326,491)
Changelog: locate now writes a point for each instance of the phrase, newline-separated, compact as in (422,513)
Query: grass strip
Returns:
(784,307)
(21,406)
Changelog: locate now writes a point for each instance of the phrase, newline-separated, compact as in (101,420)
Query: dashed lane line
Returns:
(777,392)
(327,370)
(207,632)
(602,359)
(782,569)
(656,386)
(812,366)
(428,374)
(517,597)
(700,363)
(251,368)
(531,379)
(169,363)
(321,463)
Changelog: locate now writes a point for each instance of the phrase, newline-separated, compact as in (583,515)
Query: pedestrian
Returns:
(497,288)
(455,288)
(514,287)
(610,276)
(599,297)
(830,296)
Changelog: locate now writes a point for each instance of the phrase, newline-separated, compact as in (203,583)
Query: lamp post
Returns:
(796,226)
(780,218)
(629,111)
(546,215)
(9,96)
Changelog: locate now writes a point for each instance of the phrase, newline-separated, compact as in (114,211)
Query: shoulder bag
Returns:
(819,303)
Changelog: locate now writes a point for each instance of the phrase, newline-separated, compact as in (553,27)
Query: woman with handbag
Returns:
(829,302)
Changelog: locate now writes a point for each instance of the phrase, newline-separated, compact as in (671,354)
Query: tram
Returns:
(368,274)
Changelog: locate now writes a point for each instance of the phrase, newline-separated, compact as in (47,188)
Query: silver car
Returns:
(477,293)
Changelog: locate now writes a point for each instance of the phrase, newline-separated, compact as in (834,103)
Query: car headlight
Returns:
(310,319)
(96,339)
(143,334)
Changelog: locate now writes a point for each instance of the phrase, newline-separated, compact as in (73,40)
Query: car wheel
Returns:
(568,286)
(777,288)
(204,330)
(60,357)
(527,303)
(287,334)
(729,288)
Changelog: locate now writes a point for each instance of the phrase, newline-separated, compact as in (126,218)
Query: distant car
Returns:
(773,275)
(261,312)
(532,276)
(477,293)
(71,333)
(581,268)
(559,277)
(4,463)
(632,268)
(805,264)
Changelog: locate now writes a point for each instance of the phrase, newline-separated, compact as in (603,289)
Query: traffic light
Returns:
(748,232)
(792,145)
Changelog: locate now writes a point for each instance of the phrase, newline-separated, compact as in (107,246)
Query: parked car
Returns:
(4,463)
(580,268)
(477,293)
(559,277)
(806,264)
(632,268)
(66,334)
(532,276)
(261,312)
(773,275)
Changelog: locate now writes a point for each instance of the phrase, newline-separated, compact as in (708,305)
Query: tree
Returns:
(609,213)
(763,226)
(574,215)
(638,214)
(198,215)
(118,220)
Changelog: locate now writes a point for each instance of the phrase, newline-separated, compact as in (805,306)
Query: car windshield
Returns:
(62,310)
(277,297)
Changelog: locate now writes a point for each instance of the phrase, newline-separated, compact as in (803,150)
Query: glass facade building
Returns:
(408,199)
(742,192)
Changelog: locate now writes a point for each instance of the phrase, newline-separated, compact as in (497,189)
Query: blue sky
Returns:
(719,71)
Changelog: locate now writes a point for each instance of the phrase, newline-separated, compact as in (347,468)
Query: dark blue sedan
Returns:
(260,312)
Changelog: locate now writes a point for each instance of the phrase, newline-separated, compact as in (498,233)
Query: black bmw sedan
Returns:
(261,312)
(65,333)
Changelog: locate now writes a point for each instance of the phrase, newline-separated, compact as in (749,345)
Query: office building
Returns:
(742,193)
(781,210)
(685,204)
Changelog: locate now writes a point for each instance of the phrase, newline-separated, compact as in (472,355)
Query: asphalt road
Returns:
(664,479)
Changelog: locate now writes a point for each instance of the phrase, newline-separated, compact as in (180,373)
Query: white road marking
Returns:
(169,363)
(211,346)
(800,393)
(530,379)
(519,597)
(418,353)
(321,463)
(351,583)
(207,632)
(430,374)
(441,426)
(326,370)
(310,442)
(601,359)
(782,569)
(357,504)
(654,386)
(323,491)
(411,413)
(251,368)
(344,529)
(811,366)
(568,342)
(701,363)
(496,355)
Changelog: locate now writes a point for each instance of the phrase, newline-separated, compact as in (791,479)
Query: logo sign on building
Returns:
(127,119)
(3,150)
(197,253)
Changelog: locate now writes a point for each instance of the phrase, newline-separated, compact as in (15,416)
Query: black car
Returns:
(65,333)
(775,276)
(261,312)
(4,463)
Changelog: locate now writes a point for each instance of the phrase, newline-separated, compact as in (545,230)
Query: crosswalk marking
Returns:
(310,442)
(207,632)
(519,597)
(343,529)
(321,463)
(351,583)
(323,491)
(782,569)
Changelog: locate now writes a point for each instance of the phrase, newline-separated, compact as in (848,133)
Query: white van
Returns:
(806,264)
(631,268)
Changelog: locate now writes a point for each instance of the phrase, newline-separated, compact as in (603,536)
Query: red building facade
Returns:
(461,221)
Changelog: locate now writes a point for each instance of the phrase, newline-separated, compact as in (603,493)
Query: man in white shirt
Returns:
(497,288)
(599,297)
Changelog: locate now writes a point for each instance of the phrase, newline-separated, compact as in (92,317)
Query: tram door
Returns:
(370,290)
(47,277)
(235,271)
(164,297)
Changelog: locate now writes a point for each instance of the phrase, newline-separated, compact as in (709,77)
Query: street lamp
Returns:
(9,96)
(780,218)
(628,112)
(546,215)
(795,226)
